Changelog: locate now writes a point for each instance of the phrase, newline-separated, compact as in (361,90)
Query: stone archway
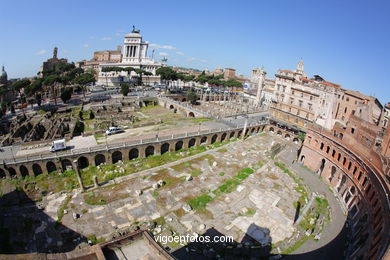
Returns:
(223,137)
(100,159)
(11,171)
(279,133)
(332,173)
(322,166)
(116,156)
(191,114)
(287,136)
(51,167)
(164,148)
(203,140)
(65,163)
(133,154)
(296,140)
(271,129)
(178,145)
(214,138)
(37,169)
(2,174)
(23,170)
(191,143)
(149,150)
(171,107)
(82,162)
(231,136)
(302,159)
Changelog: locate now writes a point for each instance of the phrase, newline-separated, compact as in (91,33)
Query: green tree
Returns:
(83,80)
(52,81)
(167,74)
(66,94)
(192,97)
(124,89)
(38,99)
(21,84)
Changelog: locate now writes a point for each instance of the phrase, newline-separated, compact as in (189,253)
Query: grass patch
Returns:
(294,247)
(300,188)
(94,199)
(195,172)
(250,212)
(95,240)
(61,210)
(199,202)
(221,174)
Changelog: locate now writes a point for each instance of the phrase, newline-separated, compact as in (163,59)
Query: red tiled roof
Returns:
(330,84)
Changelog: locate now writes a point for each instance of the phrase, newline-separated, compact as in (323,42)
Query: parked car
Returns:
(114,130)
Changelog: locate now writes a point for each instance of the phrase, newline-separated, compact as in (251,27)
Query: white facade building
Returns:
(135,55)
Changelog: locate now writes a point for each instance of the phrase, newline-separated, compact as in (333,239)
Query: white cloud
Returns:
(196,59)
(41,52)
(118,34)
(106,39)
(158,46)
(65,51)
(169,47)
(86,46)
(179,53)
(155,45)
(163,54)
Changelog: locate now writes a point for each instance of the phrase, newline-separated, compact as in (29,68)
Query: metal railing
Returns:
(129,144)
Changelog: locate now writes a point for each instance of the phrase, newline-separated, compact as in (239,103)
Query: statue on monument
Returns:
(134,30)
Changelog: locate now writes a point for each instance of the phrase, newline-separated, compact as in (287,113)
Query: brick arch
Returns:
(2,174)
(223,137)
(82,162)
(11,171)
(116,156)
(165,148)
(100,159)
(178,145)
(51,167)
(37,169)
(23,171)
(191,142)
(214,138)
(65,163)
(231,135)
(191,114)
(133,153)
(203,140)
(149,150)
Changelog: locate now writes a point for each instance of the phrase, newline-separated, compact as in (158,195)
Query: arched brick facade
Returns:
(360,187)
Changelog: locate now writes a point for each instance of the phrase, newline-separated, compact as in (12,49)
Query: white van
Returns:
(58,145)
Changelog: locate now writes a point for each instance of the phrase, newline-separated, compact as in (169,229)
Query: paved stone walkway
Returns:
(338,217)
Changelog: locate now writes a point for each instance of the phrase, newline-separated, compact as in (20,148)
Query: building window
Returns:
(311,98)
(300,103)
(352,130)
(347,99)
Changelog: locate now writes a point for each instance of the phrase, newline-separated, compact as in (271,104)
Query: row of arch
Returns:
(95,159)
(356,186)
(175,109)
(284,134)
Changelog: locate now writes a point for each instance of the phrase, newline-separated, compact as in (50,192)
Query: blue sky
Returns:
(346,42)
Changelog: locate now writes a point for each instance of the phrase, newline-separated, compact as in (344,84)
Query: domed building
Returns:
(4,76)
